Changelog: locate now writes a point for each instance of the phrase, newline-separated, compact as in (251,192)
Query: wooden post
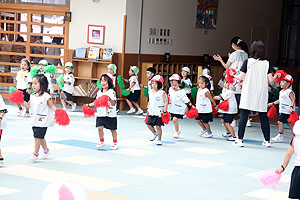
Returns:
(123,45)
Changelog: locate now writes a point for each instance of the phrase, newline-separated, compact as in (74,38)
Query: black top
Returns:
(244,67)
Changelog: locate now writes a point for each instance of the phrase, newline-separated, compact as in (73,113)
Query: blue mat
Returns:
(255,142)
(82,144)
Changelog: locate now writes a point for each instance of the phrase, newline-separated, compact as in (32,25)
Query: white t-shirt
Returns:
(107,112)
(134,79)
(189,83)
(156,103)
(50,87)
(23,79)
(69,88)
(3,124)
(203,104)
(42,115)
(285,101)
(178,101)
(229,95)
(237,59)
(221,83)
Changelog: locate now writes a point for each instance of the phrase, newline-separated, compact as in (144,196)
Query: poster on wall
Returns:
(96,34)
(207,11)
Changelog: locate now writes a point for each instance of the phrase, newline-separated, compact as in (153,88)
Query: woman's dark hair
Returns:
(109,81)
(42,79)
(57,40)
(20,39)
(240,43)
(257,50)
(206,81)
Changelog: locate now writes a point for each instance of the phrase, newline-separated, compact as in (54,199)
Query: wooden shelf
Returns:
(91,60)
(85,78)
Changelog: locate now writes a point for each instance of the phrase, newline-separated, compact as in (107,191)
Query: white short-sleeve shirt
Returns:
(69,88)
(203,104)
(285,101)
(189,83)
(229,95)
(42,115)
(156,103)
(23,78)
(107,112)
(3,124)
(178,101)
(134,79)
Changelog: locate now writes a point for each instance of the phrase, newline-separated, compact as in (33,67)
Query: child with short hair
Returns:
(203,105)
(286,103)
(68,89)
(150,73)
(135,90)
(24,82)
(3,125)
(157,105)
(178,102)
(112,69)
(185,73)
(228,115)
(107,117)
(42,109)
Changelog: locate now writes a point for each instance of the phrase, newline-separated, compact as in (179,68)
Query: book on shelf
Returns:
(80,52)
(107,53)
(94,52)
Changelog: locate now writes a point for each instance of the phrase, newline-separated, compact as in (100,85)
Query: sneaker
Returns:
(238,142)
(73,107)
(266,143)
(159,143)
(132,110)
(153,137)
(26,115)
(248,123)
(207,135)
(34,157)
(139,112)
(100,145)
(45,154)
(226,135)
(20,112)
(118,110)
(233,123)
(176,134)
(278,138)
(231,139)
(114,146)
(1,162)
(202,132)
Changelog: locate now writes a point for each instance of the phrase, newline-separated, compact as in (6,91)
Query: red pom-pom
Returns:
(293,117)
(61,117)
(214,111)
(224,105)
(16,97)
(87,111)
(165,118)
(193,112)
(283,74)
(229,78)
(272,113)
(146,117)
(102,102)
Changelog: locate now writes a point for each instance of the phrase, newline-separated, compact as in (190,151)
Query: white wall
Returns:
(109,13)
(235,18)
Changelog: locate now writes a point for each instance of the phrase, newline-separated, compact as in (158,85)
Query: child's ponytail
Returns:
(240,43)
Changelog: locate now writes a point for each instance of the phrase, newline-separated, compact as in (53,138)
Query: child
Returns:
(179,100)
(3,110)
(157,104)
(68,89)
(42,64)
(221,81)
(228,116)
(150,73)
(286,103)
(135,90)
(42,109)
(203,104)
(294,148)
(112,69)
(185,73)
(23,84)
(107,117)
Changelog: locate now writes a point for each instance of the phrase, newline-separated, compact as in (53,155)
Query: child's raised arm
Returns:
(287,158)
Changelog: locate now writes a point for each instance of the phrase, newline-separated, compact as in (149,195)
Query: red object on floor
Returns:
(293,117)
(146,118)
(165,118)
(192,113)
(272,113)
(224,105)
(87,111)
(61,117)
(102,102)
(16,97)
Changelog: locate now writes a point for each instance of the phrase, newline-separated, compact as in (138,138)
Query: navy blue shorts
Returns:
(205,117)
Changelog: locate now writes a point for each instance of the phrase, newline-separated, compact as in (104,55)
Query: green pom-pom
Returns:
(32,91)
(185,85)
(59,79)
(50,69)
(121,82)
(99,84)
(194,92)
(34,70)
(12,89)
(146,94)
(125,92)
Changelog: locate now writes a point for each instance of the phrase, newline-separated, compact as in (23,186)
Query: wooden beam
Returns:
(46,34)
(46,45)
(13,32)
(13,22)
(23,8)
(9,63)
(10,43)
(123,45)
(7,74)
(45,56)
(12,53)
(8,84)
(47,24)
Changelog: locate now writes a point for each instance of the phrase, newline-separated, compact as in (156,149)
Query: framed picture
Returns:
(96,34)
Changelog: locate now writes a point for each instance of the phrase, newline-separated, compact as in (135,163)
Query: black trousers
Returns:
(264,124)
